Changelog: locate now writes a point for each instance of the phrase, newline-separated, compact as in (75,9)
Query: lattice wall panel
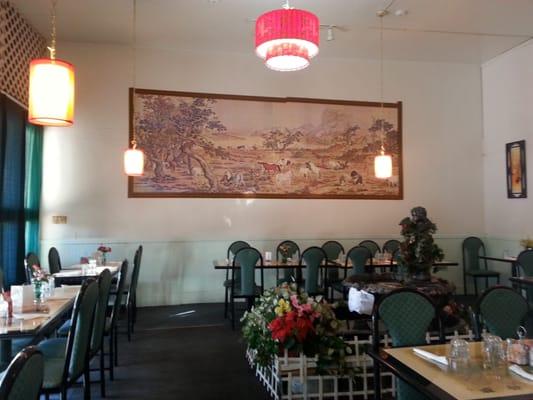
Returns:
(19,44)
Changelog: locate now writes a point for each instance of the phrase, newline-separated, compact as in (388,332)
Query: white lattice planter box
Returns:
(295,378)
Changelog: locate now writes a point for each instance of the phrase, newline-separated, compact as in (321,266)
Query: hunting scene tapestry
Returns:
(200,145)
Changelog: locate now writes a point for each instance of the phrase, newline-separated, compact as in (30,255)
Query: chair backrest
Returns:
(525,260)
(473,247)
(54,262)
(370,245)
(79,335)
(100,314)
(247,260)
(358,256)
(293,251)
(235,247)
(132,292)
(390,246)
(23,377)
(502,310)
(313,257)
(333,249)
(407,315)
(123,274)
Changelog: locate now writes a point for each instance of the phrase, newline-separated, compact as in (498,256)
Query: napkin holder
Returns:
(23,298)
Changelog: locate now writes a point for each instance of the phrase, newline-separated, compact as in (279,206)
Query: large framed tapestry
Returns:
(208,145)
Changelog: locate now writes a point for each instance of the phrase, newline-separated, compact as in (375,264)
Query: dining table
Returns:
(36,324)
(77,273)
(439,381)
(505,259)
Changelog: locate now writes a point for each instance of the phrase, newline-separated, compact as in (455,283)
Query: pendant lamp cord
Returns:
(381,15)
(134,72)
(52,47)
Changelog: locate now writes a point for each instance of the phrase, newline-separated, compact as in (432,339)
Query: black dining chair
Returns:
(23,378)
(333,251)
(370,245)
(390,246)
(54,262)
(314,258)
(524,262)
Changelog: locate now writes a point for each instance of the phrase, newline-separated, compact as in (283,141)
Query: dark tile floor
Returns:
(181,352)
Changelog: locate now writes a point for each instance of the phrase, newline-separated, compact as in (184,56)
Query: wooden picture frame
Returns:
(226,146)
(516,169)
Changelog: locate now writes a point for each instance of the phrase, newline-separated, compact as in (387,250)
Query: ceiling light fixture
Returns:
(382,162)
(51,87)
(133,157)
(287,38)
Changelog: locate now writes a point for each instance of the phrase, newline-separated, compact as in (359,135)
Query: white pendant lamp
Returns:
(133,157)
(51,87)
(382,162)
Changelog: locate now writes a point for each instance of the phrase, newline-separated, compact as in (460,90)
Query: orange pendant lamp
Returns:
(382,162)
(133,157)
(287,38)
(51,87)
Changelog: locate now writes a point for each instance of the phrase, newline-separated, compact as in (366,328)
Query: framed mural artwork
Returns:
(516,169)
(207,145)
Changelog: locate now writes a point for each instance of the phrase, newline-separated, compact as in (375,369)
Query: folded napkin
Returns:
(430,356)
(520,372)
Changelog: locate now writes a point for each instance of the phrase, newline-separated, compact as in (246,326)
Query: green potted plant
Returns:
(418,251)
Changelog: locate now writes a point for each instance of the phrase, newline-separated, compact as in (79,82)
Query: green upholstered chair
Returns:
(232,250)
(246,259)
(29,262)
(407,315)
(390,246)
(475,267)
(131,293)
(358,258)
(23,378)
(54,262)
(100,314)
(111,330)
(525,265)
(501,310)
(370,245)
(67,359)
(313,258)
(288,274)
(333,251)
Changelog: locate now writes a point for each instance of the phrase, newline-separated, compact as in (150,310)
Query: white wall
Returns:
(83,176)
(507,117)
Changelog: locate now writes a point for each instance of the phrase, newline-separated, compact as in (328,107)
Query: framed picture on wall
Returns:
(516,170)
(209,145)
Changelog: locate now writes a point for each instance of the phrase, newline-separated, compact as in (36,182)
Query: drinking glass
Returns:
(459,355)
(493,352)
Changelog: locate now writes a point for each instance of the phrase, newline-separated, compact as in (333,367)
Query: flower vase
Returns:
(104,258)
(38,293)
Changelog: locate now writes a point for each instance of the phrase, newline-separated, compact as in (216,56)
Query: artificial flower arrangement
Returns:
(104,249)
(285,318)
(38,274)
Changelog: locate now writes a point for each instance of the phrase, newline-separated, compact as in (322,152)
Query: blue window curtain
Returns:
(12,176)
(32,200)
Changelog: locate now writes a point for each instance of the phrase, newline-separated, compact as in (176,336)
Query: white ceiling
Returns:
(482,28)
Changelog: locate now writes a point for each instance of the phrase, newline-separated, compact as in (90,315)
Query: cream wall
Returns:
(507,117)
(83,176)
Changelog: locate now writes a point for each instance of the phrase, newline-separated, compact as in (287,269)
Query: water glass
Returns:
(493,352)
(459,355)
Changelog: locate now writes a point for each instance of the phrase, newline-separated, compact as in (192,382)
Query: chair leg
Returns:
(475,286)
(63,394)
(102,372)
(111,355)
(232,313)
(226,303)
(115,349)
(465,286)
(46,396)
(128,321)
(87,383)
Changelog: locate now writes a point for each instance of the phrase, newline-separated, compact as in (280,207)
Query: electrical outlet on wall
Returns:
(59,219)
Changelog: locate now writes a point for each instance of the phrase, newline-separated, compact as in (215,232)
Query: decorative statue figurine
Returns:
(418,251)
